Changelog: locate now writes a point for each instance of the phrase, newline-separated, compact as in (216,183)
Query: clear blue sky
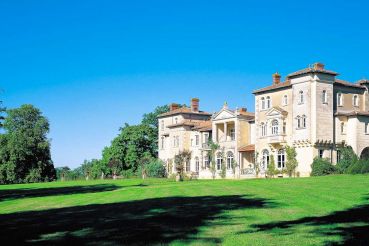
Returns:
(91,66)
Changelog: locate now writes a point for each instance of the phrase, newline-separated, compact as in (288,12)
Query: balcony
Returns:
(206,146)
(281,138)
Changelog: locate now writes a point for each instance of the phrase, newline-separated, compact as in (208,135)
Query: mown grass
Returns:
(310,211)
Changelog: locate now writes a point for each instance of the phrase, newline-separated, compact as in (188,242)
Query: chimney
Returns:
(173,106)
(195,104)
(318,66)
(276,78)
(243,110)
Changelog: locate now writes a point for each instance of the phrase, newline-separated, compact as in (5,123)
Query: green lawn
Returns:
(310,211)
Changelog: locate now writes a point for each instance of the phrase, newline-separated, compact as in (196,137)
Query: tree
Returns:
(234,165)
(291,163)
(2,114)
(271,171)
(151,119)
(62,173)
(257,164)
(24,147)
(213,149)
(86,169)
(180,160)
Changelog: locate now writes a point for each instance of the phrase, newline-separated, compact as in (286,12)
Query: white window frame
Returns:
(268,102)
(262,103)
(355,100)
(219,161)
(197,164)
(197,141)
(321,153)
(303,118)
(281,160)
(342,125)
(232,134)
(265,159)
(301,97)
(230,159)
(339,99)
(162,142)
(275,127)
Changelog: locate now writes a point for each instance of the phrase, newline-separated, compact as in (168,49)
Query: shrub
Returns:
(322,167)
(358,167)
(34,176)
(156,169)
(348,157)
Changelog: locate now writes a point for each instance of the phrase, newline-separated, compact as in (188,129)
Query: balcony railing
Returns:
(248,171)
(280,138)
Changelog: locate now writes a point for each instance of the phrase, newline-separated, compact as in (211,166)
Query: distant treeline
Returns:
(132,153)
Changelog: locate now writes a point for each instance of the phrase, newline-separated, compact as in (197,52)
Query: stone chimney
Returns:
(195,104)
(243,110)
(276,78)
(173,106)
(318,66)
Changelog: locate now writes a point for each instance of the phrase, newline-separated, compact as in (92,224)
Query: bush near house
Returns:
(322,167)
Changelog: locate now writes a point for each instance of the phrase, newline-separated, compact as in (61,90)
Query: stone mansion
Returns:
(311,110)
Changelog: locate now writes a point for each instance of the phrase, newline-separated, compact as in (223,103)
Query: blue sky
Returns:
(91,66)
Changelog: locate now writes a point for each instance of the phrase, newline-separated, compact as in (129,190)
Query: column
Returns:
(225,132)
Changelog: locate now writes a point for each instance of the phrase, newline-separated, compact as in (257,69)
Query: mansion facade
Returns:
(311,110)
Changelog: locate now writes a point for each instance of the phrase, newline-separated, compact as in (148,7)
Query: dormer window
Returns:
(301,97)
(324,97)
(340,99)
(355,101)
(285,100)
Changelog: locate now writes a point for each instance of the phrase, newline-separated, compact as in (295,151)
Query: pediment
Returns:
(224,114)
(276,112)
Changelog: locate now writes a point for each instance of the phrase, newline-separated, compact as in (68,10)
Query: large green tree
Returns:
(125,151)
(24,147)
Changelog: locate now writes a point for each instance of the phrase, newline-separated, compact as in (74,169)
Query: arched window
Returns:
(262,103)
(324,97)
(263,129)
(275,127)
(197,164)
(339,99)
(303,121)
(230,159)
(265,159)
(285,100)
(281,159)
(268,103)
(219,161)
(355,101)
(301,97)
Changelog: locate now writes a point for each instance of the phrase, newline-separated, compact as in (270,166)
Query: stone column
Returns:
(225,131)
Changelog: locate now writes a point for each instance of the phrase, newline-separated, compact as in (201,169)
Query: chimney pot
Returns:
(195,102)
(276,78)
(318,66)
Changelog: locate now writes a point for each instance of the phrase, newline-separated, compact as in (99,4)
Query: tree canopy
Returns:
(24,147)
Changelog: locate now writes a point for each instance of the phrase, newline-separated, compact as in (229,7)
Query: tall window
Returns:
(285,100)
(177,138)
(174,142)
(206,162)
(162,142)
(262,103)
(281,159)
(303,119)
(197,140)
(324,97)
(298,118)
(355,101)
(301,97)
(275,127)
(268,103)
(175,120)
(219,161)
(338,155)
(339,99)
(162,125)
(284,128)
(265,159)
(188,166)
(263,129)
(197,164)
(230,159)
(321,153)
(342,128)
(232,134)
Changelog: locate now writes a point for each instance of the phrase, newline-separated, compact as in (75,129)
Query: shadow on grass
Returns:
(58,191)
(150,221)
(352,225)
